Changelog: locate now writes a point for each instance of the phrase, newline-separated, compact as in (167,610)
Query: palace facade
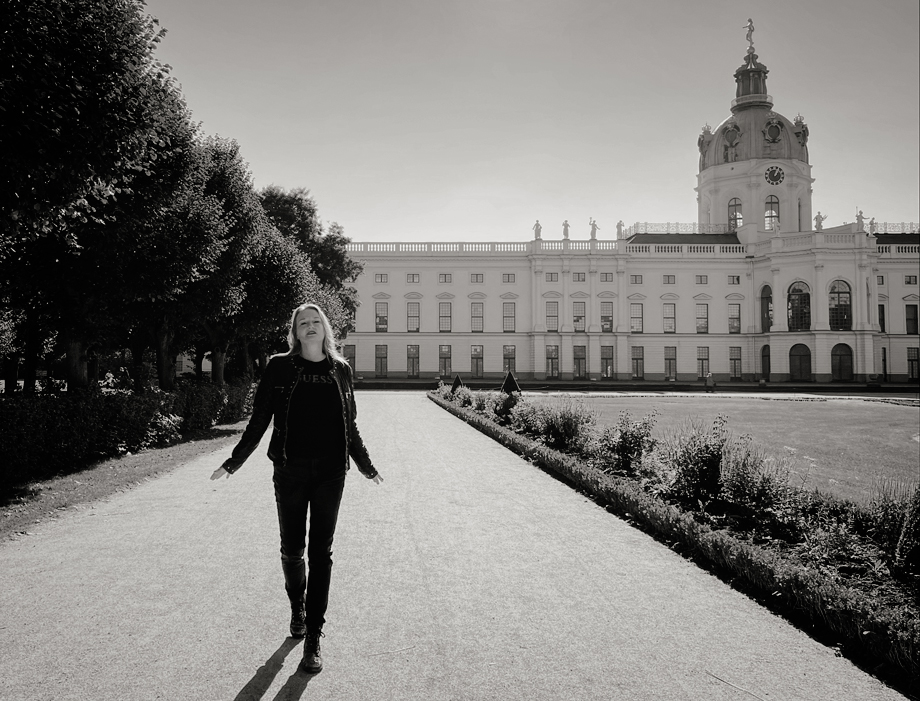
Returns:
(756,289)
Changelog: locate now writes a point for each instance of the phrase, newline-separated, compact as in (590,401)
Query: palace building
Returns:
(756,289)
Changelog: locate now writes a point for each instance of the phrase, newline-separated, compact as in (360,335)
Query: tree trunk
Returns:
(166,367)
(138,344)
(33,345)
(77,377)
(200,352)
(218,362)
(11,374)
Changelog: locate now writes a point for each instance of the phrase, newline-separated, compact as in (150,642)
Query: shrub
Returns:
(907,553)
(463,396)
(696,457)
(620,448)
(505,407)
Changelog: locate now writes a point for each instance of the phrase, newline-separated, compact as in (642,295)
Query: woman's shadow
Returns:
(257,686)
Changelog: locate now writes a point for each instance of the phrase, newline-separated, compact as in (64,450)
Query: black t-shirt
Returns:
(315,425)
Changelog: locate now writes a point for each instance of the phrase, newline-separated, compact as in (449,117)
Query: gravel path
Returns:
(468,574)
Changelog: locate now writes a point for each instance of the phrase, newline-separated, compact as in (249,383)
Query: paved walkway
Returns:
(468,574)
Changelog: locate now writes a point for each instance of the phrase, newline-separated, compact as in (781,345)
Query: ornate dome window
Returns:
(735,219)
(773,130)
(731,135)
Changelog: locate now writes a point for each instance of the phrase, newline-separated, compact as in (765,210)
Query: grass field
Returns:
(840,446)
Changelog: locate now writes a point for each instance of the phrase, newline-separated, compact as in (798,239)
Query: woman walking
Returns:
(309,394)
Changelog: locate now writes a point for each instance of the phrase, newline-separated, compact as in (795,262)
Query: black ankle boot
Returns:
(298,619)
(312,662)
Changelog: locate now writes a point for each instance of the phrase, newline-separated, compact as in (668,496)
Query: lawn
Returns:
(839,446)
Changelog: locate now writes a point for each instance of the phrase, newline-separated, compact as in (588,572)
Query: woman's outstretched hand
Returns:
(218,473)
(378,478)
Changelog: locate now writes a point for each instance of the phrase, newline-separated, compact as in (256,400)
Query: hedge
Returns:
(864,629)
(59,433)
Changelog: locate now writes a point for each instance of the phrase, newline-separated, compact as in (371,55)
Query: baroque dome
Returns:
(754,130)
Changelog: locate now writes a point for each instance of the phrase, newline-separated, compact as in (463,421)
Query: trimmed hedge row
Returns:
(59,433)
(860,625)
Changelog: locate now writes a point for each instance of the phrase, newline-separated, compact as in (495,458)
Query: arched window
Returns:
(841,363)
(800,363)
(798,307)
(766,309)
(771,213)
(841,317)
(734,213)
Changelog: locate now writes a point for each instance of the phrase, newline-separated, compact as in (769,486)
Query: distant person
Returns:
(710,383)
(309,394)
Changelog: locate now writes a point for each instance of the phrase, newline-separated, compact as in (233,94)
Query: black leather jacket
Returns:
(271,402)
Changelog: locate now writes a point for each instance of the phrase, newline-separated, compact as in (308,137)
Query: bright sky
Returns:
(466,120)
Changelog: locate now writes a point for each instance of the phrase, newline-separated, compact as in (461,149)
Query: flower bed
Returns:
(828,565)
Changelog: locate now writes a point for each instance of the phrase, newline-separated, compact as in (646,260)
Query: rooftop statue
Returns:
(565,229)
(860,221)
(537,229)
(594,228)
(819,221)
(750,35)
(620,226)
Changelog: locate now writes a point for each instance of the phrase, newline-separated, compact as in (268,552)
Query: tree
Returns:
(77,118)
(295,215)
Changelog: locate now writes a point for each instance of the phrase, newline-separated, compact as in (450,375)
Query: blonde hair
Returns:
(329,343)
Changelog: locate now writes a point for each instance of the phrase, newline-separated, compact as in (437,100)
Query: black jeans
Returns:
(315,486)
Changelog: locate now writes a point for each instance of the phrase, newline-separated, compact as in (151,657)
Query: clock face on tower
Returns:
(774,175)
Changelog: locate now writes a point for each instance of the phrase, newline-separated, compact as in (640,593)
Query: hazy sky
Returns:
(437,120)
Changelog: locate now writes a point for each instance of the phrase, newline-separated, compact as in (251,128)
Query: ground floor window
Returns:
(444,361)
(581,362)
(913,357)
(670,362)
(349,353)
(476,361)
(412,361)
(608,368)
(508,364)
(841,363)
(638,363)
(734,361)
(765,363)
(702,361)
(380,361)
(552,361)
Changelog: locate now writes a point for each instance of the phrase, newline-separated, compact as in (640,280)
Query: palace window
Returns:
(635,279)
(910,279)
(508,317)
(552,361)
(669,312)
(476,277)
(380,361)
(507,277)
(702,361)
(880,280)
(444,317)
(702,318)
(702,279)
(349,353)
(770,213)
(380,309)
(607,317)
(734,318)
(913,358)
(412,317)
(552,316)
(735,220)
(669,279)
(881,318)
(444,369)
(798,307)
(734,279)
(840,313)
(607,363)
(476,311)
(381,277)
(412,362)
(578,315)
(635,318)
(911,317)
(508,362)
(552,277)
(581,362)
(670,362)
(638,363)
(606,277)
(766,309)
(734,361)
(445,277)
(578,277)
(476,361)
(412,277)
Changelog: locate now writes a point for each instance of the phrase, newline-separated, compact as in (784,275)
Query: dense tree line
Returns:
(122,226)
